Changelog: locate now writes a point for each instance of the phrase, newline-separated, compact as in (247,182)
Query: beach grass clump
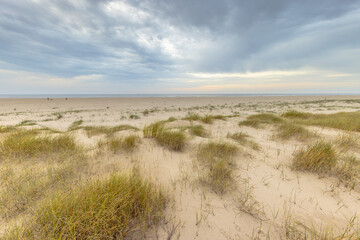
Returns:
(127,144)
(198,130)
(174,140)
(75,125)
(243,139)
(320,157)
(208,118)
(26,123)
(217,159)
(262,118)
(296,114)
(347,141)
(348,170)
(29,144)
(193,117)
(113,208)
(6,129)
(108,131)
(240,137)
(154,129)
(349,121)
(290,130)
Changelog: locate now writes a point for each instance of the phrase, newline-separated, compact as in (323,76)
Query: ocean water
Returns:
(161,95)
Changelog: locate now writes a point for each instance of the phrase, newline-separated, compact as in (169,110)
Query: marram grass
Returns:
(113,208)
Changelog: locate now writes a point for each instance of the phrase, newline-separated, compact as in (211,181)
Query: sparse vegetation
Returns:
(205,119)
(198,130)
(242,138)
(75,125)
(262,118)
(113,208)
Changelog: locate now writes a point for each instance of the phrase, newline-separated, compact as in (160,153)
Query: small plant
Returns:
(239,137)
(112,208)
(192,117)
(319,157)
(347,141)
(171,139)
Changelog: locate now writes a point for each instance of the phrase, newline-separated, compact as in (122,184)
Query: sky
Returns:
(179,46)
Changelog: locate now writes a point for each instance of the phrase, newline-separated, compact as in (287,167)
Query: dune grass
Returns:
(6,129)
(349,121)
(154,129)
(347,141)
(288,130)
(320,157)
(262,118)
(217,158)
(75,125)
(243,139)
(113,208)
(127,144)
(108,131)
(174,140)
(198,130)
(30,144)
(208,119)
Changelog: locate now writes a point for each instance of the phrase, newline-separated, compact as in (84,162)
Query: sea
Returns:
(163,95)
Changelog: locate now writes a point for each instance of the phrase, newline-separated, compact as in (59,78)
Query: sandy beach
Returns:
(267,198)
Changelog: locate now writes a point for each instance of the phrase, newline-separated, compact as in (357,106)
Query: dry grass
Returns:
(117,207)
(198,130)
(262,118)
(127,144)
(108,131)
(217,158)
(319,157)
(5,129)
(349,121)
(347,141)
(154,129)
(289,130)
(174,140)
(348,170)
(242,138)
(208,119)
(28,144)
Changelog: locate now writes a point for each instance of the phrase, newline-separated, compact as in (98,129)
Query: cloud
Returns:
(152,43)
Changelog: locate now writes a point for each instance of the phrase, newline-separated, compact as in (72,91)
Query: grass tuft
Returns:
(113,208)
(319,157)
(28,144)
(262,118)
(198,130)
(109,131)
(154,129)
(217,158)
(127,144)
(172,140)
(289,130)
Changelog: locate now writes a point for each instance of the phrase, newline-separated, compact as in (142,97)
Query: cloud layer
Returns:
(153,46)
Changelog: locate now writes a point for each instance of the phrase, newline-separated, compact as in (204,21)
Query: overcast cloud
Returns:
(179,46)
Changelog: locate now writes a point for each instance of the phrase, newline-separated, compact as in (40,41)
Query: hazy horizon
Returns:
(179,47)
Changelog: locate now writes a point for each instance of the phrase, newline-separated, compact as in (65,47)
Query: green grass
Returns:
(349,121)
(108,131)
(127,144)
(29,144)
(208,119)
(218,161)
(112,208)
(174,140)
(319,157)
(240,137)
(26,123)
(289,130)
(262,118)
